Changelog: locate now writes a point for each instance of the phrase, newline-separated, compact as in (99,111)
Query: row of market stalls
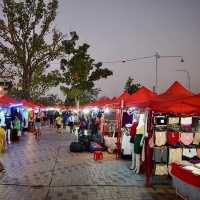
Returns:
(14,112)
(167,137)
(166,129)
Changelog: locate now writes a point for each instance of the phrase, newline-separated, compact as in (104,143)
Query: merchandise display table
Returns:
(186,183)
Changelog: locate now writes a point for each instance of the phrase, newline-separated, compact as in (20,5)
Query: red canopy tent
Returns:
(192,100)
(99,102)
(142,95)
(6,100)
(103,101)
(188,105)
(177,107)
(117,102)
(29,103)
(174,93)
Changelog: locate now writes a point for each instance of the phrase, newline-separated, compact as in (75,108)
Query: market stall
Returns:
(173,136)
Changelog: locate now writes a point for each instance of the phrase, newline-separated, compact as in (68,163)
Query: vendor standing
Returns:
(59,121)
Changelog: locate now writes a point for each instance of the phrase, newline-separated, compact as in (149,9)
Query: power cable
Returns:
(127,60)
(123,60)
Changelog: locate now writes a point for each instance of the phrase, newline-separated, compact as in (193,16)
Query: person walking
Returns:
(65,119)
(17,127)
(8,122)
(51,120)
(59,123)
(37,127)
(71,123)
(2,139)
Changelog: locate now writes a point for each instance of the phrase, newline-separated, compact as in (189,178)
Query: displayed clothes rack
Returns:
(176,138)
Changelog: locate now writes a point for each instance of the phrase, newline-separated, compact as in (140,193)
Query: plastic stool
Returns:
(98,155)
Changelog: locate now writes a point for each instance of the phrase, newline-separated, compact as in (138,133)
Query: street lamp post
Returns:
(157,56)
(187,75)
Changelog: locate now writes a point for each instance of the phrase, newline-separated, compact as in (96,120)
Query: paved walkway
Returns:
(46,170)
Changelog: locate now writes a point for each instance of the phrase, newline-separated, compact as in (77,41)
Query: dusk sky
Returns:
(118,29)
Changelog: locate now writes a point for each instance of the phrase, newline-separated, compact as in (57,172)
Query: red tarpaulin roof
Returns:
(6,100)
(100,102)
(118,101)
(193,100)
(141,95)
(29,103)
(176,99)
(175,92)
(177,107)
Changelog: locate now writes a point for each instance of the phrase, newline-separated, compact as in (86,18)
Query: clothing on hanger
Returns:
(160,154)
(173,137)
(186,138)
(196,139)
(175,154)
(161,169)
(160,138)
(189,152)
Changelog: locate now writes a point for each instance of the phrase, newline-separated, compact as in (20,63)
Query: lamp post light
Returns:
(187,75)
(158,56)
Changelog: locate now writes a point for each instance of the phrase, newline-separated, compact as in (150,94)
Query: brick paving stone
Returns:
(46,170)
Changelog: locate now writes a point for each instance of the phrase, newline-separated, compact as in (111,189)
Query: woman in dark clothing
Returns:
(51,120)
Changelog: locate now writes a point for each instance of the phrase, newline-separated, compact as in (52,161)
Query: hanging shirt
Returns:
(173,137)
(186,120)
(189,152)
(196,139)
(133,131)
(141,125)
(186,138)
(160,138)
(126,119)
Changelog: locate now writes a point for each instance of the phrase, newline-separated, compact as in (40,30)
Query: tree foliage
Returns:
(25,50)
(43,82)
(50,100)
(131,86)
(79,71)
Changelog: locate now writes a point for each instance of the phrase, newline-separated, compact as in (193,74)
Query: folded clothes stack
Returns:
(195,169)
